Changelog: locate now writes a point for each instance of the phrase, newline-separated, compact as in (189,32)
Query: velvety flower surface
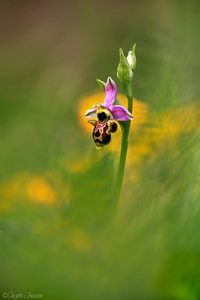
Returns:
(118,112)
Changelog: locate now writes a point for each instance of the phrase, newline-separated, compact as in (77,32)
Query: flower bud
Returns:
(124,72)
(131,58)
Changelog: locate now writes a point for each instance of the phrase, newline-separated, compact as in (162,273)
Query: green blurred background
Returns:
(62,234)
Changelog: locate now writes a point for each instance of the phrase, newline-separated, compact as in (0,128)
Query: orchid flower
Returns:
(118,112)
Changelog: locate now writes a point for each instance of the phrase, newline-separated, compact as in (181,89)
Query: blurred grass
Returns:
(61,232)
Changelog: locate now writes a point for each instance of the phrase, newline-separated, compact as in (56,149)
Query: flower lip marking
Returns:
(101,116)
(103,127)
(102,132)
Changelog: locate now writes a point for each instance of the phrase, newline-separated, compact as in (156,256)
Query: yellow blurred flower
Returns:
(173,123)
(35,188)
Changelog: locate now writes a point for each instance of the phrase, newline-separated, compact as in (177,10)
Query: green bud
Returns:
(117,102)
(124,72)
(131,58)
(102,84)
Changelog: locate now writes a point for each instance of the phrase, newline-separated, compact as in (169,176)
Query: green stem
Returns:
(124,147)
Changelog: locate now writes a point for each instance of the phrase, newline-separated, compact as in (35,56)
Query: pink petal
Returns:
(91,112)
(120,113)
(111,92)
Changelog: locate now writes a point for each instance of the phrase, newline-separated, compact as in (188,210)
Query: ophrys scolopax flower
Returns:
(107,114)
